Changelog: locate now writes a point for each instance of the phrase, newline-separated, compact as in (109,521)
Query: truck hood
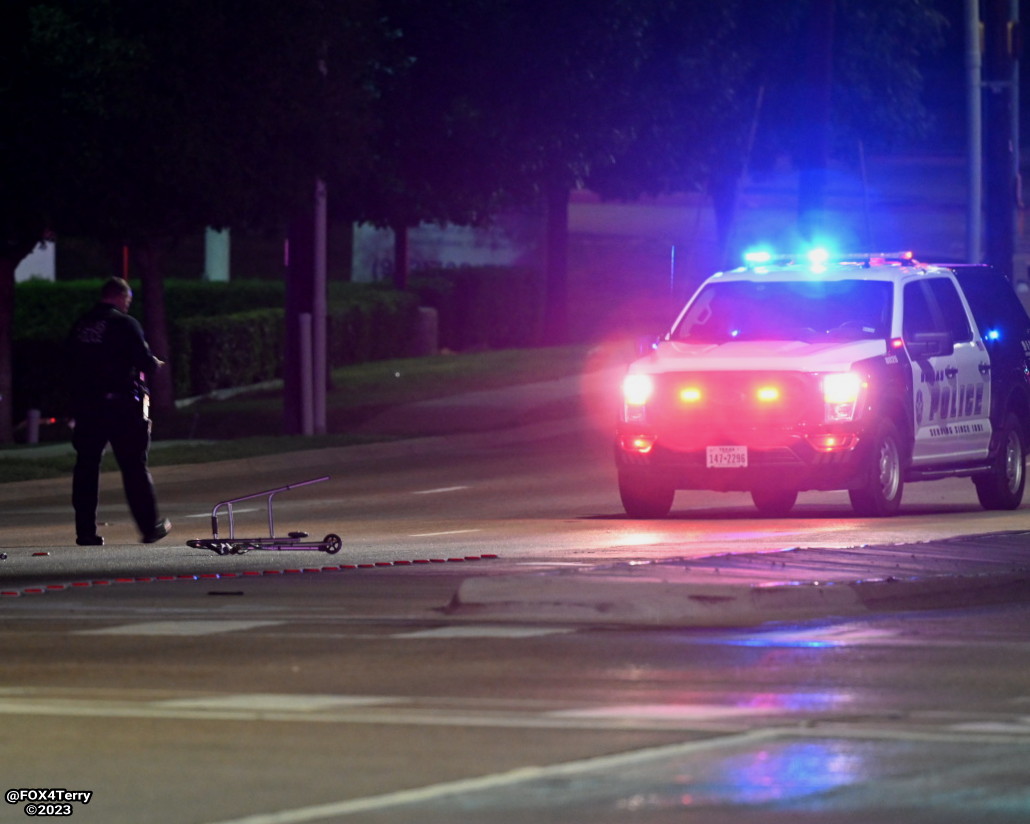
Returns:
(758,356)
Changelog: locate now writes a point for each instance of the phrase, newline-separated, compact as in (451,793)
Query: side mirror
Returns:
(923,345)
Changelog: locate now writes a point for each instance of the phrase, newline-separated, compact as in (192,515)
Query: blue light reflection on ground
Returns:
(794,779)
(764,641)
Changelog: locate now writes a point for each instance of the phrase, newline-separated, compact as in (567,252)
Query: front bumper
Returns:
(791,462)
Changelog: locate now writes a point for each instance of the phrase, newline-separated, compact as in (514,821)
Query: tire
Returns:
(1002,487)
(644,497)
(332,544)
(774,503)
(883,482)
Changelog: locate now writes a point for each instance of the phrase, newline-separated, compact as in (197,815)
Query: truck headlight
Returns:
(841,391)
(636,392)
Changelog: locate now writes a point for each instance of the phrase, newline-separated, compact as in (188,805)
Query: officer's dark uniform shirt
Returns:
(107,353)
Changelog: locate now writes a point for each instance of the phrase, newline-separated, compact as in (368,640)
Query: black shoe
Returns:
(160,530)
(89,540)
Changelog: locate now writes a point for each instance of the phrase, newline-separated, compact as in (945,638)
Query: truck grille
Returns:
(733,407)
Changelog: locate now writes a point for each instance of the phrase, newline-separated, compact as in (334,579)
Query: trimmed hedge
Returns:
(214,348)
(231,334)
(212,353)
(46,310)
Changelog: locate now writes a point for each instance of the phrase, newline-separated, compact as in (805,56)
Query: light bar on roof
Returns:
(820,256)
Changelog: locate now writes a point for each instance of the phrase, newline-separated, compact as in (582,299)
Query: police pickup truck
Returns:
(860,373)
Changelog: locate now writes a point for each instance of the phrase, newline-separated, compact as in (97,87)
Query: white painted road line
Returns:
(481,632)
(277,702)
(667,712)
(439,490)
(438,534)
(186,628)
(421,795)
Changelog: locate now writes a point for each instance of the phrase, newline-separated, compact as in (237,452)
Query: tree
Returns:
(504,102)
(142,123)
(520,101)
(59,71)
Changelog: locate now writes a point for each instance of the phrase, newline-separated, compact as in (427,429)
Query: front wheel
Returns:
(879,495)
(644,497)
(1002,487)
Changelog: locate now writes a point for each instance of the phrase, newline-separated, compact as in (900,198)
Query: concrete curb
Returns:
(660,603)
(747,589)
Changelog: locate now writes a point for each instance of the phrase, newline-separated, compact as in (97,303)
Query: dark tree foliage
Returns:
(137,122)
(520,101)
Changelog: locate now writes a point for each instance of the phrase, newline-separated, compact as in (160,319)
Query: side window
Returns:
(953,313)
(918,317)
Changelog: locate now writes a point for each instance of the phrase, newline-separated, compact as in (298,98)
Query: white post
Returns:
(32,420)
(216,254)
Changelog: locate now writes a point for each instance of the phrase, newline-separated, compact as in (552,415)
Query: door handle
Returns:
(950,372)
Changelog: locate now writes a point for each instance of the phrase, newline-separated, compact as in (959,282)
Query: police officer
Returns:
(109,357)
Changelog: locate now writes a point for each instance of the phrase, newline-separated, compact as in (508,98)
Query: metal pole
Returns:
(319,356)
(1016,172)
(974,120)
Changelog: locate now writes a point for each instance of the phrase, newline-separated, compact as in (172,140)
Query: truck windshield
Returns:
(832,310)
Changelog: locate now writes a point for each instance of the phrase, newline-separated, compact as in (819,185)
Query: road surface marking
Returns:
(438,534)
(520,775)
(481,632)
(178,628)
(439,490)
(276,702)
(697,712)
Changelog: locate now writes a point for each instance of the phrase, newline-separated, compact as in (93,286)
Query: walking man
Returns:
(110,359)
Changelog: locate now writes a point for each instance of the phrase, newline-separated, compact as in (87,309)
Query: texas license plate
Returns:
(726,457)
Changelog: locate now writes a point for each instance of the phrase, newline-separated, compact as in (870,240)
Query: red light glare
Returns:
(641,444)
(828,442)
(768,394)
(897,343)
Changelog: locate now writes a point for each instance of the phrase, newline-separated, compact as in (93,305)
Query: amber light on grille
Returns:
(641,444)
(690,394)
(768,394)
(827,442)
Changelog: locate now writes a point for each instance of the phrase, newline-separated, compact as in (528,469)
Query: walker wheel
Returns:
(332,544)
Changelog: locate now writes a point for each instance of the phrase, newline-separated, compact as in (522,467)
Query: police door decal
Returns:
(951,406)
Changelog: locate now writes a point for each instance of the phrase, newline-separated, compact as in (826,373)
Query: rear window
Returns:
(996,307)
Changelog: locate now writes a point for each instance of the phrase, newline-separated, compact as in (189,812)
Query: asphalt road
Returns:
(182,686)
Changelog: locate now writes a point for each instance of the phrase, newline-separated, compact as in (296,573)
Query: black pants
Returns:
(120,423)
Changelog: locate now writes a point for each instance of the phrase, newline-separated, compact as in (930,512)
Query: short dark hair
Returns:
(114,287)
